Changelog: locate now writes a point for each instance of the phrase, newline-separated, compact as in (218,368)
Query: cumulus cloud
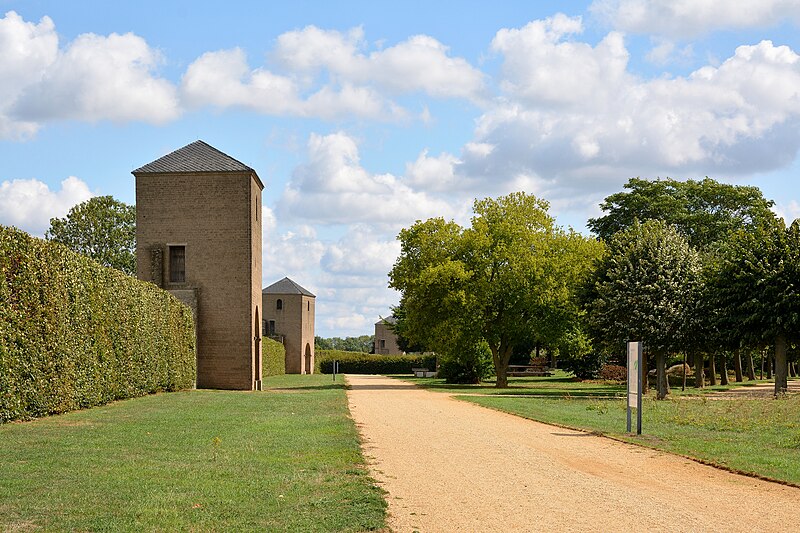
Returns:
(690,18)
(559,138)
(93,78)
(420,63)
(333,188)
(28,50)
(29,204)
(326,74)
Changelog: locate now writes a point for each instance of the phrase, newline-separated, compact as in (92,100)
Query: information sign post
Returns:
(634,350)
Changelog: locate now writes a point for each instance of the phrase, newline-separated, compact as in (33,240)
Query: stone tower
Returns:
(198,235)
(289,316)
(385,338)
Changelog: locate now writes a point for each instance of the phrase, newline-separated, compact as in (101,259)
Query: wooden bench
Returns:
(423,373)
(538,367)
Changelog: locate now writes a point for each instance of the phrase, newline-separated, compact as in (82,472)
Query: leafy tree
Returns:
(704,211)
(362,343)
(757,287)
(102,228)
(507,278)
(643,290)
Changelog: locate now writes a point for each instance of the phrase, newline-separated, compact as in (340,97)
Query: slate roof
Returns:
(287,286)
(194,157)
(387,320)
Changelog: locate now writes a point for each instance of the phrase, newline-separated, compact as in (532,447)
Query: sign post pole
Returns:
(634,399)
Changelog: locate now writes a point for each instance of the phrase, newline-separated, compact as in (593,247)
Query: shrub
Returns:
(586,366)
(467,363)
(273,357)
(75,334)
(363,363)
(613,373)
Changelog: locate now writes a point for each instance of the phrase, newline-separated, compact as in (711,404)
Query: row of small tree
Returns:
(695,267)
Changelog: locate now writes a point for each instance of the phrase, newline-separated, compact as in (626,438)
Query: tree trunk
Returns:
(644,376)
(751,368)
(768,358)
(792,372)
(661,374)
(501,356)
(699,377)
(683,385)
(723,371)
(737,365)
(712,370)
(781,383)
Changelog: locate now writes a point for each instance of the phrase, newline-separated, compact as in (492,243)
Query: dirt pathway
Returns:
(451,466)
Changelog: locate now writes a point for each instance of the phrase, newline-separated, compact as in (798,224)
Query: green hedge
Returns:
(364,363)
(273,356)
(75,334)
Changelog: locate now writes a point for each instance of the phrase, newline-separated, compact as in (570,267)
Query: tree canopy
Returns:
(508,277)
(756,287)
(704,211)
(102,228)
(644,289)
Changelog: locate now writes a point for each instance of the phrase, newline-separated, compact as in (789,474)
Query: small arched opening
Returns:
(309,360)
(257,351)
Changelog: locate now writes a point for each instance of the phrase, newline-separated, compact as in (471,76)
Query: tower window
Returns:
(177,264)
(279,305)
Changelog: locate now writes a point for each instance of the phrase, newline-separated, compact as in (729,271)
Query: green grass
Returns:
(758,436)
(286,460)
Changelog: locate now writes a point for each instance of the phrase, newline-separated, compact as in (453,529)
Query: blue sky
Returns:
(362,117)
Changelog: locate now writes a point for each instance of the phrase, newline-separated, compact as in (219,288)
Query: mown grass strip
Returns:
(281,460)
(757,436)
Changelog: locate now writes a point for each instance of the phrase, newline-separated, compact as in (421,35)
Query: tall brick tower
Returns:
(289,316)
(198,235)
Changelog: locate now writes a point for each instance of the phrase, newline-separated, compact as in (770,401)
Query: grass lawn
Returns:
(759,436)
(281,460)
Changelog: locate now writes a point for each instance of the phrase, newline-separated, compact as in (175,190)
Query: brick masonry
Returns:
(217,217)
(294,322)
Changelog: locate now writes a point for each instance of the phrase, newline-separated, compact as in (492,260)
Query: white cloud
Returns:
(420,63)
(28,49)
(93,78)
(102,78)
(558,139)
(333,188)
(362,251)
(691,18)
(788,211)
(30,204)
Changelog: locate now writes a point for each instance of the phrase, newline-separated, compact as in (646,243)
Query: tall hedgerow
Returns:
(274,357)
(75,334)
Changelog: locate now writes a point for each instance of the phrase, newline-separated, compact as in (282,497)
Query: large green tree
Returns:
(704,211)
(508,277)
(758,288)
(102,228)
(644,290)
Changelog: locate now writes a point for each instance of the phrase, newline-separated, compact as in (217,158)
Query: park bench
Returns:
(537,367)
(423,373)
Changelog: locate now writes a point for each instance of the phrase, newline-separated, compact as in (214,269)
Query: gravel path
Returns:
(449,465)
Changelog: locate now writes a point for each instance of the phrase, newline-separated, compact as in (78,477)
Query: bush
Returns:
(363,363)
(584,367)
(75,334)
(613,373)
(470,363)
(273,356)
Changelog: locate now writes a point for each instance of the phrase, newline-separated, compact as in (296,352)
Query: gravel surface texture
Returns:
(452,466)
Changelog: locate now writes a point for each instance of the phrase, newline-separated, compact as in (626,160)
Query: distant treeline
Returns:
(364,343)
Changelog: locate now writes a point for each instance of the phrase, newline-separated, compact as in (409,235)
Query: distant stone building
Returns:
(198,235)
(385,339)
(289,317)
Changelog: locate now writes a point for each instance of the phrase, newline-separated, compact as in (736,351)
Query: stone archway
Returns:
(257,351)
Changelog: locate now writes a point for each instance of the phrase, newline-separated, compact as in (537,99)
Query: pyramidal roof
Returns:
(194,157)
(287,286)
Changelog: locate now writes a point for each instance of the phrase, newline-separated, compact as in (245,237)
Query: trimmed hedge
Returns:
(75,334)
(364,363)
(273,355)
